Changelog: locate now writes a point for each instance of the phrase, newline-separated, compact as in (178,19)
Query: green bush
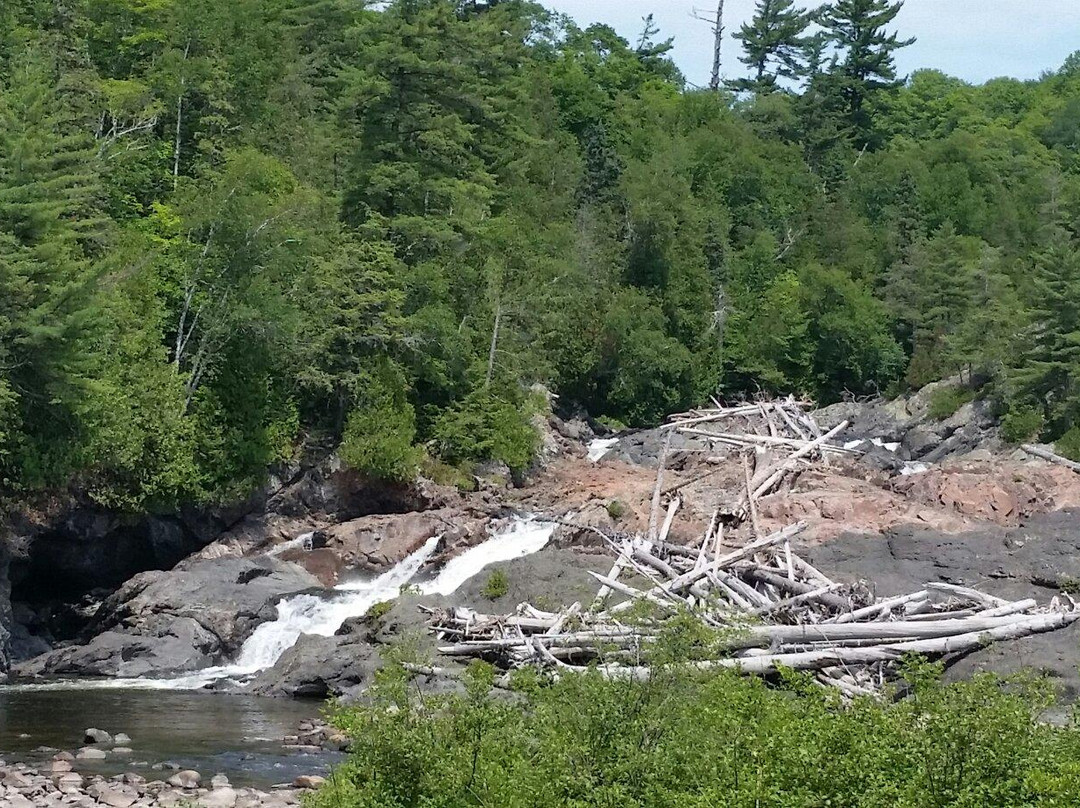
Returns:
(945,401)
(688,738)
(616,509)
(486,426)
(1068,445)
(1021,424)
(379,610)
(497,585)
(378,439)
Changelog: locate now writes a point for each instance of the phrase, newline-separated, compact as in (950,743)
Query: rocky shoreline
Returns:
(66,778)
(58,784)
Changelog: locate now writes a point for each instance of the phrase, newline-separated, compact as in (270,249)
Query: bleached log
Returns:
(1052,457)
(654,510)
(796,600)
(789,464)
(876,609)
(834,602)
(966,592)
(687,579)
(815,660)
(733,439)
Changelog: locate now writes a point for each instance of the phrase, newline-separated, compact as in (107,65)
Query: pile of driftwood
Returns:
(770,608)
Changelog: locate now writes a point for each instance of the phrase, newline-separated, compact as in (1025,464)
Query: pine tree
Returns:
(858,29)
(773,46)
(1047,370)
(50,229)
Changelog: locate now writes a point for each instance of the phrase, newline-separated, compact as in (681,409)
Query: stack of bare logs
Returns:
(770,608)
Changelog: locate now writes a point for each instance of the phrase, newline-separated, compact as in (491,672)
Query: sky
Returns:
(975,40)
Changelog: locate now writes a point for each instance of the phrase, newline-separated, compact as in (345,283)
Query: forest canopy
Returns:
(232,230)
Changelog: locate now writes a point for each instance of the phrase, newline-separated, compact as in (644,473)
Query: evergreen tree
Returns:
(773,45)
(50,234)
(1047,367)
(867,65)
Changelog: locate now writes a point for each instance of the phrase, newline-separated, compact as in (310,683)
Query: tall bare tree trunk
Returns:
(717,23)
(179,120)
(494,345)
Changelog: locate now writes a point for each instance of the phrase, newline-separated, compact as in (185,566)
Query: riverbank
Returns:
(256,743)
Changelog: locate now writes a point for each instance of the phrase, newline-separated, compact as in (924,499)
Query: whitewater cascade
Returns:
(312,614)
(600,447)
(307,613)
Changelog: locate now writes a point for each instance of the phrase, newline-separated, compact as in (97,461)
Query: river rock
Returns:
(121,739)
(114,796)
(224,797)
(122,750)
(68,781)
(60,766)
(15,779)
(309,781)
(219,781)
(90,753)
(94,735)
(188,778)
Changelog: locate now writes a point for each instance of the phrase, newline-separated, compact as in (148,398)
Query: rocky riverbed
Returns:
(58,784)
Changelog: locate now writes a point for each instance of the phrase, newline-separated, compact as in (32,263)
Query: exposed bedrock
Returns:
(1038,559)
(161,623)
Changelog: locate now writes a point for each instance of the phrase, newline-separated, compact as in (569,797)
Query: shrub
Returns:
(945,401)
(1068,445)
(616,509)
(486,426)
(379,610)
(1021,423)
(378,439)
(497,585)
(692,738)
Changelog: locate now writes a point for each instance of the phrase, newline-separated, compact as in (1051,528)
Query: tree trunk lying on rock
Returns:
(768,608)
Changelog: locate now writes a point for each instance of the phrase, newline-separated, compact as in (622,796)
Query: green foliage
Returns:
(228,230)
(1021,423)
(378,439)
(616,509)
(485,426)
(379,610)
(714,738)
(496,585)
(946,400)
(1068,445)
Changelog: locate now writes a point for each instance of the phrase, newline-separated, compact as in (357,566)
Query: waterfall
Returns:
(311,614)
(524,538)
(307,613)
(600,447)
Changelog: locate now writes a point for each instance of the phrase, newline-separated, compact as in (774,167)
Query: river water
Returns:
(233,734)
(176,721)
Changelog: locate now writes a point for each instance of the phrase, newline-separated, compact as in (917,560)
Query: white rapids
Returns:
(311,614)
(600,447)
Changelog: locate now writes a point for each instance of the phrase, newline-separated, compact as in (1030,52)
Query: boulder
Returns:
(919,441)
(223,797)
(112,795)
(90,753)
(122,739)
(94,735)
(187,778)
(309,781)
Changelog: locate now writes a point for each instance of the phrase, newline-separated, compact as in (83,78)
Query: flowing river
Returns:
(175,721)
